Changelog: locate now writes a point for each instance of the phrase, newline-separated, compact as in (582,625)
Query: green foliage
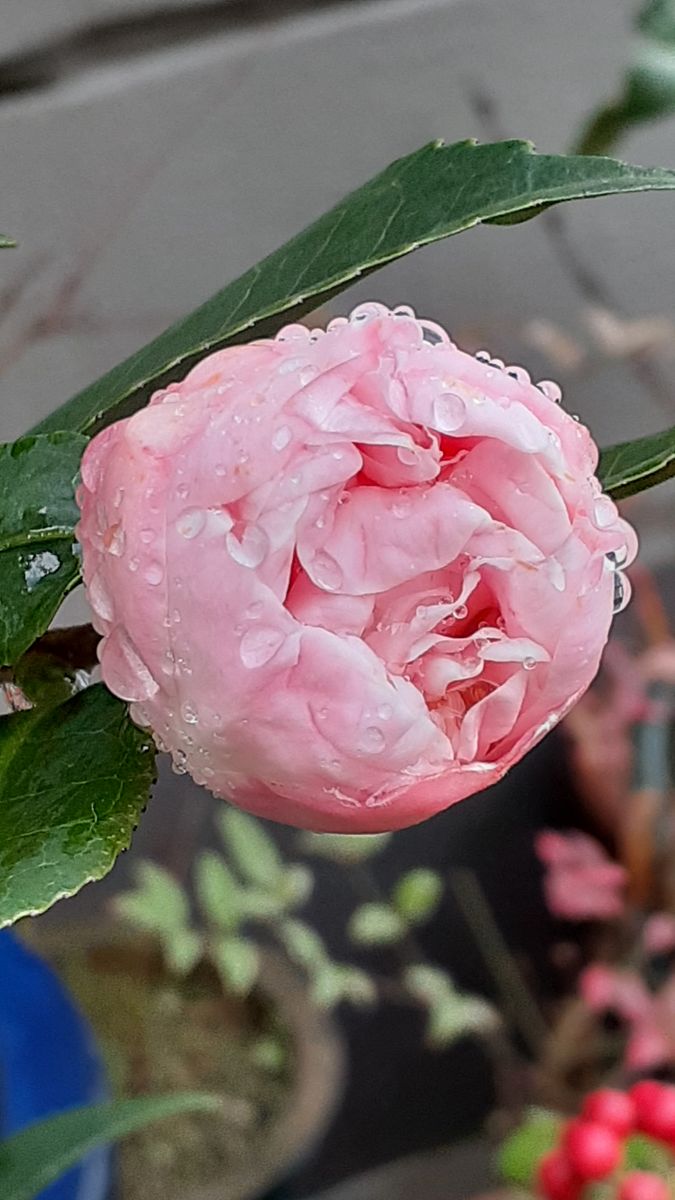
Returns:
(344,848)
(252,850)
(6,242)
(218,893)
(642,1153)
(335,982)
(302,943)
(376,925)
(33,1159)
(237,962)
(451,1014)
(38,566)
(74,780)
(648,91)
(417,895)
(631,467)
(520,1153)
(433,193)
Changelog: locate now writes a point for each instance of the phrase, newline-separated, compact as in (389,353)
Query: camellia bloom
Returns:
(350,577)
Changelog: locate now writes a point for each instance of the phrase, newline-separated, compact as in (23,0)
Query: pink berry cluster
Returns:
(591,1147)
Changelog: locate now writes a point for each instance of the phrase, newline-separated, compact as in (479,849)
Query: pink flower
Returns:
(581,882)
(650,1017)
(349,578)
(658,935)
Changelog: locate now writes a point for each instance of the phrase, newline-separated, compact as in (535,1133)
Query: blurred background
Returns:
(150,153)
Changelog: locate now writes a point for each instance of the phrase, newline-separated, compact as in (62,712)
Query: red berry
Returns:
(557,1180)
(593,1150)
(614,1109)
(655,1109)
(643,1185)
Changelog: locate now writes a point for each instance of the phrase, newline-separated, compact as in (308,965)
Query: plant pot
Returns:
(48,1062)
(311,1086)
(463,1171)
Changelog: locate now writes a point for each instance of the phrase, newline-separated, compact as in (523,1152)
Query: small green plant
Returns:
(250,895)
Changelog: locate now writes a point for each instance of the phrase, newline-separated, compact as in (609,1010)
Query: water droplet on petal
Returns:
(259,645)
(402,505)
(550,390)
(118,497)
(282,437)
(146,536)
(449,412)
(183,491)
(604,512)
(114,540)
(529,664)
(460,612)
(254,610)
(326,572)
(134,563)
(385,712)
(251,549)
(373,740)
(154,573)
(189,713)
(622,591)
(220,469)
(191,522)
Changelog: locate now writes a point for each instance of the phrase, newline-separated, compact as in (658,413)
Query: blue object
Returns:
(48,1062)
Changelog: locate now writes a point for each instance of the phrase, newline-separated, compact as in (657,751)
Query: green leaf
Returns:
(642,1153)
(6,242)
(631,467)
(451,1014)
(38,562)
(417,894)
(218,892)
(376,925)
(158,903)
(183,949)
(254,852)
(297,883)
(435,192)
(303,944)
(73,782)
(332,983)
(344,848)
(237,962)
(36,1157)
(648,91)
(520,1154)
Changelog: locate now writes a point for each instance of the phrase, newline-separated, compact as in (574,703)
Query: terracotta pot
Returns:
(314,1090)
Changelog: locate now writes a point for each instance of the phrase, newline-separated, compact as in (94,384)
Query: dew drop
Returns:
(146,536)
(282,437)
(326,572)
(191,522)
(251,549)
(401,506)
(373,740)
(550,390)
(189,713)
(220,469)
(604,512)
(153,574)
(259,645)
(461,611)
(134,563)
(254,610)
(385,712)
(114,540)
(529,664)
(118,497)
(183,491)
(178,764)
(622,591)
(449,413)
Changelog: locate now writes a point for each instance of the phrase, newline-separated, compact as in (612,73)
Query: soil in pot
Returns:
(160,1034)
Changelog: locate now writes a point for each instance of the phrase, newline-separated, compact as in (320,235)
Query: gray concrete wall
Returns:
(144,176)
